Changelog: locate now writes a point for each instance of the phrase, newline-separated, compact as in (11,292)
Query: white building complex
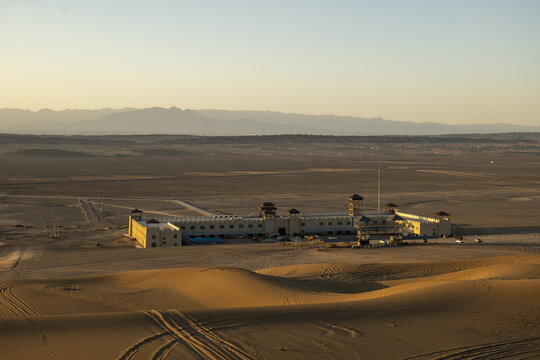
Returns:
(163,232)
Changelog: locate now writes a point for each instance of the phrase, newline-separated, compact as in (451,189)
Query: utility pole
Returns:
(101,195)
(379,189)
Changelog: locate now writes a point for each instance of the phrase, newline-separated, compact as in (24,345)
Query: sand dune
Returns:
(303,311)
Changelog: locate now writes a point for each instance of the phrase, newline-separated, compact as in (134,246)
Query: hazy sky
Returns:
(446,61)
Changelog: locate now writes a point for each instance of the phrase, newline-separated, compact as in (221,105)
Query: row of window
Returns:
(164,243)
(155,245)
(231,226)
(240,226)
(175,236)
(331,223)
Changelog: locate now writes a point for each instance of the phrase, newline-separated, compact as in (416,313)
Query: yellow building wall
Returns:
(138,232)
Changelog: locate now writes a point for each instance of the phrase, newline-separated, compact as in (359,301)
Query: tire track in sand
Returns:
(514,349)
(13,306)
(131,353)
(182,329)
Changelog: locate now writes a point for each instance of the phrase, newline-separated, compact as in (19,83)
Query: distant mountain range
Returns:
(223,122)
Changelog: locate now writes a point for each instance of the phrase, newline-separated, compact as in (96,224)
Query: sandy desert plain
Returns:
(65,297)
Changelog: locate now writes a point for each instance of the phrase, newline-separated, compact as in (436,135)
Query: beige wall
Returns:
(163,235)
(270,226)
(325,224)
(293,225)
(216,226)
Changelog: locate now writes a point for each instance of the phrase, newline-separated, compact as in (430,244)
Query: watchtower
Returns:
(441,216)
(390,208)
(293,219)
(293,213)
(135,214)
(356,205)
(268,210)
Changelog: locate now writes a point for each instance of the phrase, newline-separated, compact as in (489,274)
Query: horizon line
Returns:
(127,108)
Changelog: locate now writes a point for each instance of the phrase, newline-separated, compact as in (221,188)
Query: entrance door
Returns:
(282,231)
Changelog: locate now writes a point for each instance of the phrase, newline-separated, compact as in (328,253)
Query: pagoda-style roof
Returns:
(152,221)
(397,218)
(391,205)
(267,204)
(356,197)
(441,213)
(364,218)
(136,211)
(293,211)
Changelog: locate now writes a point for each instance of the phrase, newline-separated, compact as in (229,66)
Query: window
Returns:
(183,227)
(201,227)
(222,226)
(241,225)
(339,222)
(175,236)
(164,238)
(321,224)
(259,225)
(231,226)
(330,223)
(303,224)
(212,226)
(250,225)
(175,244)
(192,227)
(153,237)
(164,242)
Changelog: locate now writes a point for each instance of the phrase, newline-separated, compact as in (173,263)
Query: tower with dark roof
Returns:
(356,205)
(268,209)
